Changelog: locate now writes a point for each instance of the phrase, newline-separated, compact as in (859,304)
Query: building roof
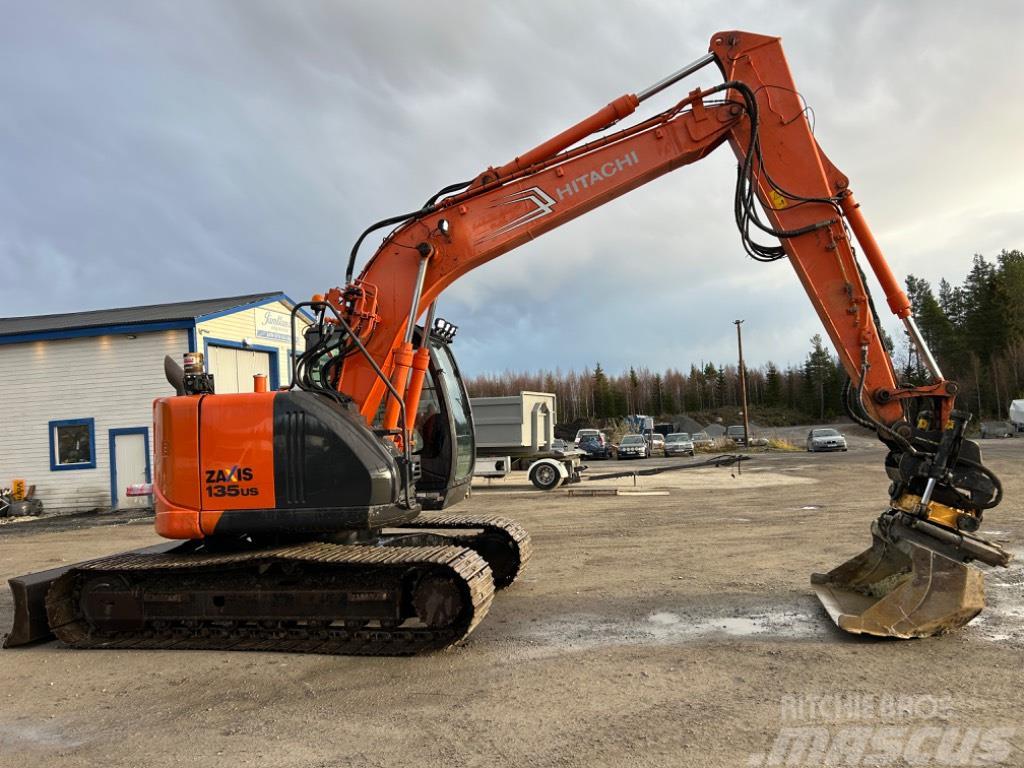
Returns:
(152,317)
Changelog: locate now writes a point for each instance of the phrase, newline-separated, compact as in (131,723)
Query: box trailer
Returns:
(1017,415)
(515,425)
(522,428)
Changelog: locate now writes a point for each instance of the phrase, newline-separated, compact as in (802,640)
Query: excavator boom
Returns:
(757,111)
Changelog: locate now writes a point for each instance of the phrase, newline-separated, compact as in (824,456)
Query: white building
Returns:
(76,390)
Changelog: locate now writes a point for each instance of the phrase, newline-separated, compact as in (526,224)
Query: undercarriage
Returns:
(421,587)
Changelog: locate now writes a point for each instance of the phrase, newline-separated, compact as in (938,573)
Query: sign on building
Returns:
(273,325)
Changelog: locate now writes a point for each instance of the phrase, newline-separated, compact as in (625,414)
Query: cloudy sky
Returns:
(164,151)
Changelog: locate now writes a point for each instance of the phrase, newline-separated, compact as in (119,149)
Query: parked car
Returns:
(594,448)
(560,446)
(679,444)
(633,447)
(657,444)
(996,429)
(702,440)
(597,433)
(826,439)
(736,434)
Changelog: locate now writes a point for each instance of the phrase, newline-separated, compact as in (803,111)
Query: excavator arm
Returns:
(787,189)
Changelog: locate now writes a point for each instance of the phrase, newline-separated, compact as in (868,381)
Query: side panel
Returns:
(327,458)
(176,472)
(236,454)
(278,463)
(176,445)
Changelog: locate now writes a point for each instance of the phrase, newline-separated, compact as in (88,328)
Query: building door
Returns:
(129,465)
(233,369)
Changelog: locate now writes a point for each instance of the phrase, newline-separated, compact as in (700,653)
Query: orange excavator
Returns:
(313,518)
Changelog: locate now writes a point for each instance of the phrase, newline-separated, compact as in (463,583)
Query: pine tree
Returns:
(1009,294)
(951,300)
(981,327)
(721,386)
(603,402)
(819,370)
(710,377)
(772,386)
(694,399)
(633,397)
(656,406)
(936,329)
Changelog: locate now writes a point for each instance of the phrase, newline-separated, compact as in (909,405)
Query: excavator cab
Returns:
(442,435)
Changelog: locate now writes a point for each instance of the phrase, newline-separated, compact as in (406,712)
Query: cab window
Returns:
(459,403)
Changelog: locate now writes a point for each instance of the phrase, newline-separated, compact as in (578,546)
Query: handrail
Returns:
(406,448)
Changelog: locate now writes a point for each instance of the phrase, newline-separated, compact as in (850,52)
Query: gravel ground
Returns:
(675,629)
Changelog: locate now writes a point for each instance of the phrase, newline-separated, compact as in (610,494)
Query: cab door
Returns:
(443,438)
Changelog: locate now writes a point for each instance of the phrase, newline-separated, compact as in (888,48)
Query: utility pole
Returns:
(743,385)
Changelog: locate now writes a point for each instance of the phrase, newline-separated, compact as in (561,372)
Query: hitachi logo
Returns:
(598,175)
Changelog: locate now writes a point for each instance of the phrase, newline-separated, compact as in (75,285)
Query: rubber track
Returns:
(516,535)
(71,627)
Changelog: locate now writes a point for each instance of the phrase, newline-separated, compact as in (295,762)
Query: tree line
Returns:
(975,330)
(810,391)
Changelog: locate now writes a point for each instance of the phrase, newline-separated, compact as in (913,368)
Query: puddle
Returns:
(671,627)
(585,631)
(1001,622)
(13,736)
(1003,618)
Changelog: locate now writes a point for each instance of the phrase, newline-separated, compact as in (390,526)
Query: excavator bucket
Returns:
(898,588)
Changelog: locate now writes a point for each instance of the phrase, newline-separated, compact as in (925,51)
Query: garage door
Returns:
(233,369)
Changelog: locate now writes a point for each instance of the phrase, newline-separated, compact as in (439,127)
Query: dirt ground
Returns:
(673,629)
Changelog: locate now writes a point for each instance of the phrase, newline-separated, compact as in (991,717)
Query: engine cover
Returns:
(270,462)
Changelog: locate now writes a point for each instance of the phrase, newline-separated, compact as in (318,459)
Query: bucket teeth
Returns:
(900,589)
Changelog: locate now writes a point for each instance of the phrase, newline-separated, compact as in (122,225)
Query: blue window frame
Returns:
(112,435)
(72,444)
